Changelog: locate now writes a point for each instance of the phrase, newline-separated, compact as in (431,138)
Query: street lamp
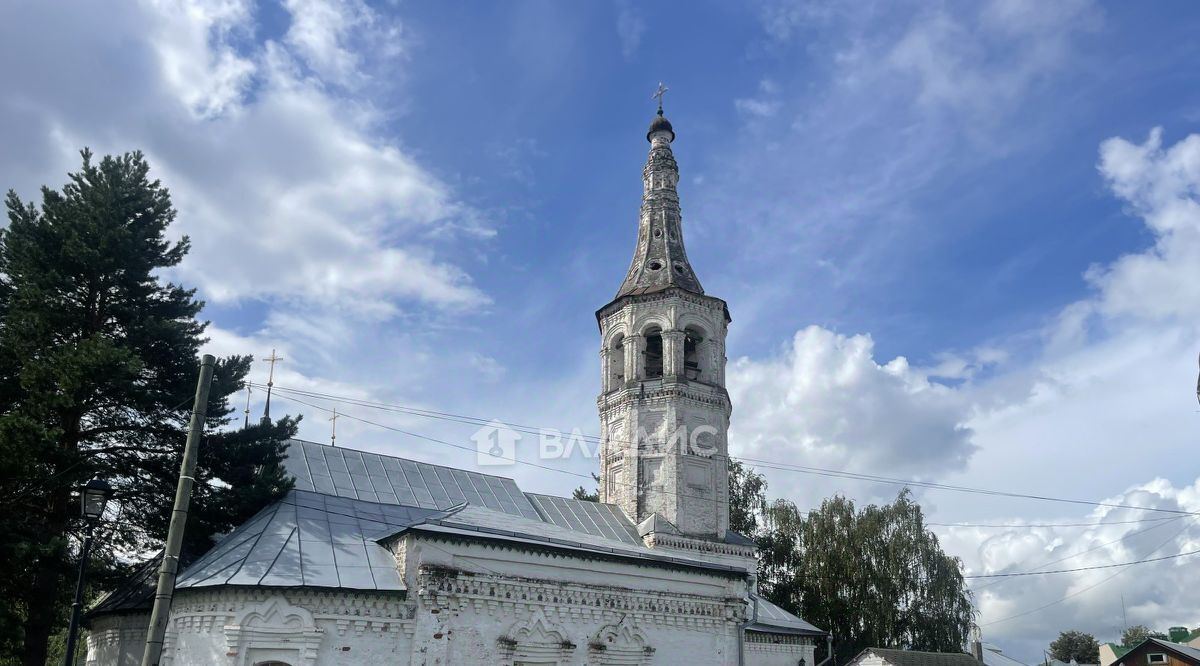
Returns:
(93,498)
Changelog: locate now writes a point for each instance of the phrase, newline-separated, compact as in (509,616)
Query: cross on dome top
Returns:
(662,90)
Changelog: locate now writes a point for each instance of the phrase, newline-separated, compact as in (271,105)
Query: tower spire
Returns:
(664,410)
(333,425)
(659,260)
(272,359)
(246,411)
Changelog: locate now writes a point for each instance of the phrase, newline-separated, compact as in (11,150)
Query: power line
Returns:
(1091,568)
(1084,590)
(472,449)
(1123,537)
(451,509)
(1023,525)
(766,464)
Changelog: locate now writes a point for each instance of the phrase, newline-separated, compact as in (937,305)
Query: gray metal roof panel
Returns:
(308,539)
(594,518)
(772,618)
(920,658)
(360,475)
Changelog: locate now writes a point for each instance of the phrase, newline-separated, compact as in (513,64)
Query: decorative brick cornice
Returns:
(554,551)
(358,612)
(656,539)
(764,638)
(449,589)
(700,300)
(659,392)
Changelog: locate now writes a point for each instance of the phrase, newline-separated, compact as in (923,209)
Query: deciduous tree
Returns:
(873,576)
(1075,645)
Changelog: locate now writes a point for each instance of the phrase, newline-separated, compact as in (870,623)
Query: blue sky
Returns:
(958,240)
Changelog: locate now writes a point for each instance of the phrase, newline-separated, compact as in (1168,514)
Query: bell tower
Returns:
(664,410)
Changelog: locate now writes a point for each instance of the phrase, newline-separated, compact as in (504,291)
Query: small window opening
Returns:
(1156,658)
(616,362)
(654,354)
(691,353)
(658,233)
(679,268)
(655,265)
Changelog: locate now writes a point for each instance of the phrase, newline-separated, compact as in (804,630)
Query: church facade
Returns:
(378,559)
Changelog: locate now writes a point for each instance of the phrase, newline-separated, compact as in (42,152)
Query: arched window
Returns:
(616,363)
(654,354)
(692,358)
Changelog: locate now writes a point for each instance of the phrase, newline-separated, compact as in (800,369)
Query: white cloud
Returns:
(195,59)
(1109,402)
(289,191)
(332,36)
(826,401)
(1161,186)
(1157,594)
(630,28)
(764,105)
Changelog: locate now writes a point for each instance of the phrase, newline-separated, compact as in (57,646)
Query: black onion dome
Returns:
(660,124)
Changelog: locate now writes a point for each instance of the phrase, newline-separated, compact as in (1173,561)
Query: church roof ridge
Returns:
(375,477)
(389,455)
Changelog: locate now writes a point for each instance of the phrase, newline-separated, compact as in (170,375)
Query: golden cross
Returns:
(333,420)
(662,90)
(271,375)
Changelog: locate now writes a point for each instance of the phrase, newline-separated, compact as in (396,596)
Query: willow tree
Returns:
(98,365)
(873,577)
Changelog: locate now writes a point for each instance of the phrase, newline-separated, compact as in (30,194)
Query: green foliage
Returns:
(873,576)
(1134,635)
(581,493)
(98,366)
(747,498)
(1077,645)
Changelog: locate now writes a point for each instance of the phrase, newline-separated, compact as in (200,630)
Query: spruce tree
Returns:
(98,367)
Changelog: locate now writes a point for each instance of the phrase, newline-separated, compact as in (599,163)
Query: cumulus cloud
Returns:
(827,401)
(1162,187)
(1154,593)
(288,190)
(1115,385)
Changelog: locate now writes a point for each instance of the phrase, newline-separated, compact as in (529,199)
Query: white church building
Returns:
(374,559)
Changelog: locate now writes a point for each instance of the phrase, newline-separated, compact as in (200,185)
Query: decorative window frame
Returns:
(274,625)
(535,639)
(620,644)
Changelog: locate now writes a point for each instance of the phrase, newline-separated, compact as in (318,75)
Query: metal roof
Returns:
(994,656)
(309,539)
(595,518)
(1179,648)
(388,480)
(328,530)
(775,620)
(919,658)
(479,523)
(136,593)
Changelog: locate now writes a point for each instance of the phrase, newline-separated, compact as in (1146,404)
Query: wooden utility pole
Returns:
(183,497)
